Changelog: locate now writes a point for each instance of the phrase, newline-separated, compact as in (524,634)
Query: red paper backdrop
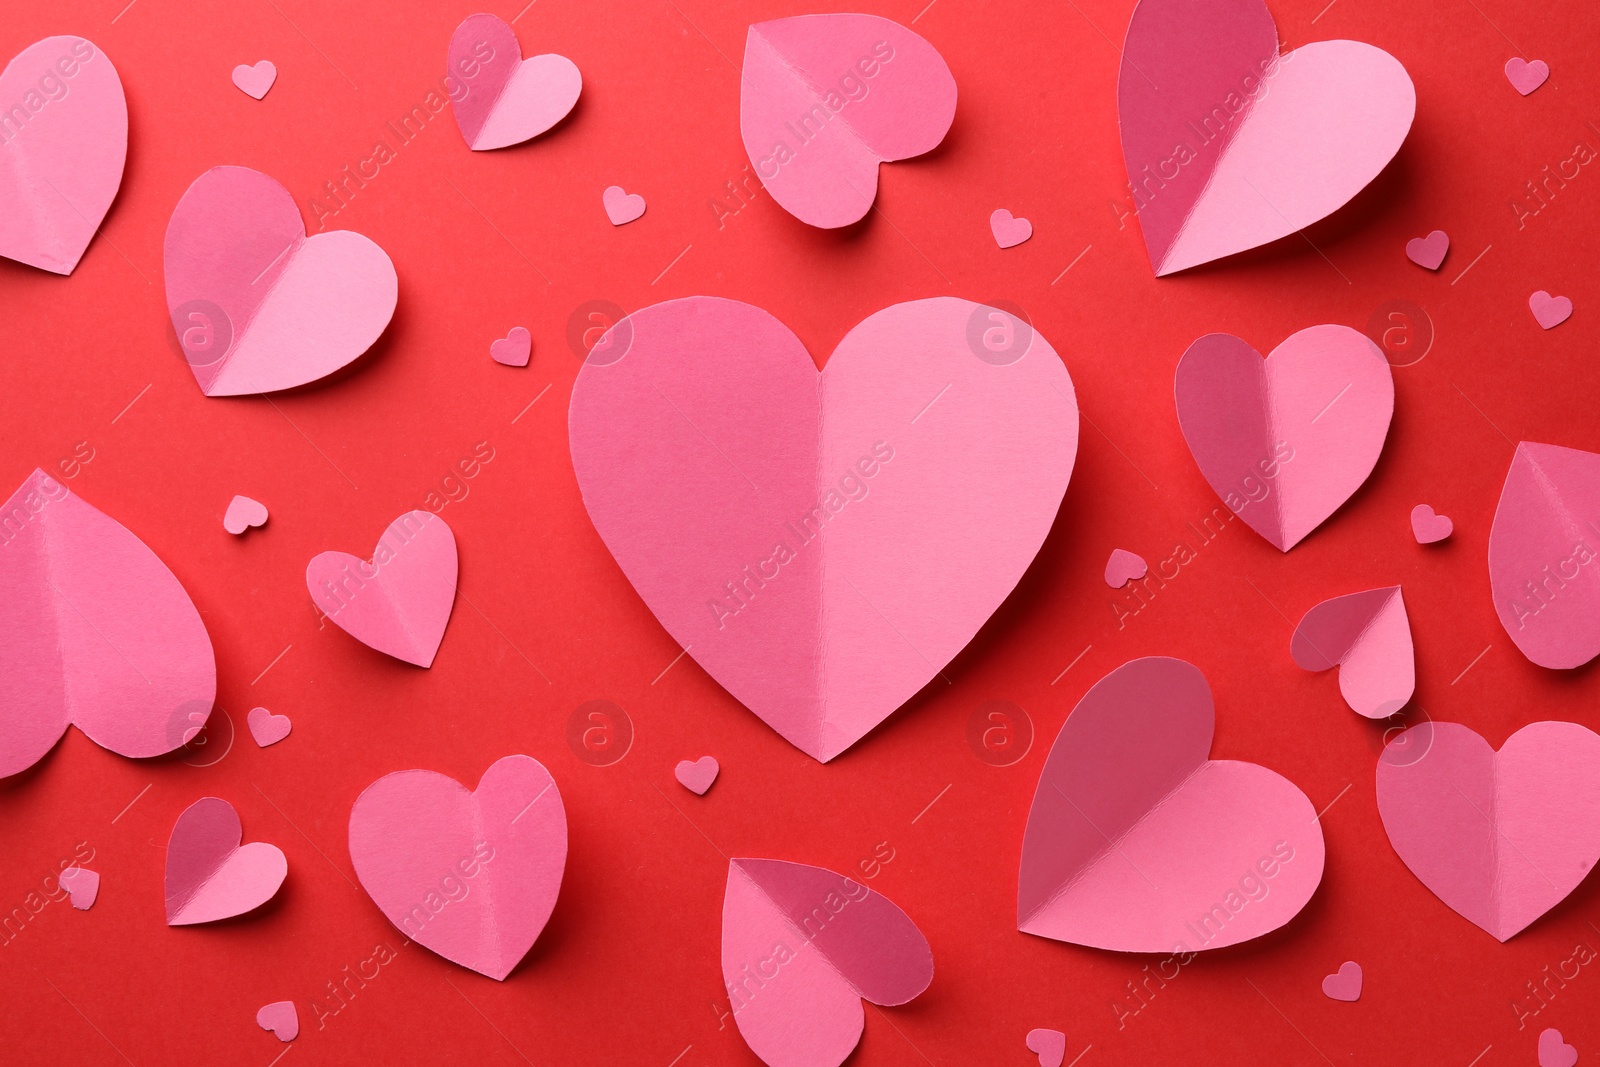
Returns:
(627,971)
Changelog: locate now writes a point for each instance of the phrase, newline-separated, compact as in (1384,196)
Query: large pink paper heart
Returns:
(1230,145)
(95,632)
(399,601)
(826,98)
(823,544)
(210,875)
(256,304)
(1501,837)
(1138,842)
(499,98)
(1544,554)
(1368,637)
(63,142)
(1286,440)
(472,876)
(802,947)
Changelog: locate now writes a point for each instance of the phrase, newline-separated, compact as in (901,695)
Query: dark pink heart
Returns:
(1345,983)
(1429,527)
(281,1018)
(1428,251)
(1525,77)
(1554,1050)
(1049,1045)
(1549,311)
(1124,567)
(697,775)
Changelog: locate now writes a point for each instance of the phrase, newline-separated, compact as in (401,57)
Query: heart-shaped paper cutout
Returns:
(1549,311)
(62,154)
(1049,1045)
(267,728)
(1553,1050)
(82,886)
(1501,837)
(1544,554)
(210,875)
(95,632)
(918,416)
(1428,251)
(1123,567)
(281,1018)
(1138,842)
(1344,984)
(622,207)
(1368,636)
(802,947)
(697,775)
(514,349)
(242,514)
(254,81)
(1230,145)
(499,98)
(1286,440)
(256,304)
(1009,231)
(1525,77)
(399,601)
(1428,526)
(826,98)
(472,876)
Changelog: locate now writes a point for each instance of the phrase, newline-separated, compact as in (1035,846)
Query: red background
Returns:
(627,971)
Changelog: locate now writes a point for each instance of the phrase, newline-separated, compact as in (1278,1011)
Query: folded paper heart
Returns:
(1554,1050)
(1009,230)
(1230,145)
(1549,311)
(472,876)
(258,306)
(697,775)
(832,546)
(1501,837)
(242,514)
(1344,984)
(82,886)
(1525,77)
(399,601)
(1049,1045)
(622,207)
(499,98)
(210,875)
(281,1018)
(1123,567)
(1429,527)
(825,99)
(514,349)
(1138,842)
(267,728)
(802,947)
(1286,440)
(254,81)
(96,633)
(63,155)
(1368,637)
(1428,251)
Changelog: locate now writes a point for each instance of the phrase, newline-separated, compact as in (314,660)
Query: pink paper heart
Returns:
(242,514)
(1549,311)
(63,158)
(1124,567)
(95,632)
(1428,251)
(257,305)
(802,947)
(399,601)
(1229,145)
(696,776)
(82,885)
(1368,636)
(255,81)
(1553,1050)
(918,417)
(1501,837)
(1345,983)
(472,876)
(1049,1045)
(210,875)
(622,207)
(514,349)
(499,98)
(1525,77)
(1429,527)
(1009,230)
(267,728)
(281,1018)
(1287,440)
(824,99)
(1544,554)
(1137,842)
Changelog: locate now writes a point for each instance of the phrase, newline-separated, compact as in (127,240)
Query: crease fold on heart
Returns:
(503,104)
(1367,635)
(210,874)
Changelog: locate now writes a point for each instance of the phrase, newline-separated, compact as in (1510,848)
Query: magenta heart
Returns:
(1124,567)
(267,728)
(63,151)
(1368,636)
(399,601)
(1428,251)
(1549,311)
(514,349)
(697,775)
(1008,230)
(1525,77)
(499,98)
(1049,1045)
(255,81)
(918,417)
(472,876)
(1345,983)
(242,514)
(1429,527)
(1501,837)
(281,1018)
(210,875)
(82,885)
(1285,441)
(622,207)
(1554,1051)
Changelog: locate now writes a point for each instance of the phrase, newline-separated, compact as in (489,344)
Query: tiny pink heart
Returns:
(1051,1046)
(514,349)
(622,207)
(82,885)
(1009,230)
(1555,1052)
(1525,77)
(210,875)
(499,98)
(281,1018)
(1124,567)
(267,728)
(1428,251)
(1549,311)
(1428,526)
(242,514)
(696,776)
(1345,983)
(255,81)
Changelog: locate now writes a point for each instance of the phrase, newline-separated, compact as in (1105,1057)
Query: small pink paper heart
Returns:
(1344,984)
(255,81)
(514,349)
(697,776)
(1051,1046)
(1009,230)
(1368,636)
(267,728)
(1554,1051)
(1124,567)
(281,1018)
(1525,77)
(622,207)
(1428,251)
(210,875)
(1549,311)
(499,98)
(242,514)
(1428,527)
(82,885)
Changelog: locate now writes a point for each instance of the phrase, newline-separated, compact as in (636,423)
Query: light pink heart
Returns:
(1286,440)
(472,876)
(499,98)
(1137,841)
(281,1018)
(1049,1045)
(210,875)
(1525,77)
(96,632)
(1428,251)
(825,99)
(1429,527)
(622,207)
(1009,230)
(63,159)
(267,728)
(399,601)
(1344,984)
(242,514)
(1368,637)
(802,947)
(697,775)
(82,885)
(514,349)
(1123,567)
(254,81)
(1501,837)
(258,306)
(1549,311)
(1554,1050)
(895,450)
